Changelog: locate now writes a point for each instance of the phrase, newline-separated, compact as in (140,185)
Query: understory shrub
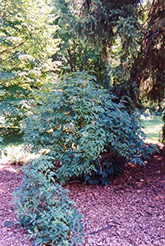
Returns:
(45,211)
(107,167)
(76,122)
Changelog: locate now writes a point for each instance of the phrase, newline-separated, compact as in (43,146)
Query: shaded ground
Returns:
(127,212)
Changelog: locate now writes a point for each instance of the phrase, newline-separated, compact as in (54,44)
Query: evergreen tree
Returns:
(76,53)
(131,34)
(148,69)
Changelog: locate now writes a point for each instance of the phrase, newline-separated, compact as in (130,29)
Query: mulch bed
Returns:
(127,212)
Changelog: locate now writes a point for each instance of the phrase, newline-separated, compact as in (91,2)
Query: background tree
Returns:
(26,47)
(76,53)
(114,28)
(131,36)
(148,69)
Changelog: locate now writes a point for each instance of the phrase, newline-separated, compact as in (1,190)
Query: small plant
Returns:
(45,211)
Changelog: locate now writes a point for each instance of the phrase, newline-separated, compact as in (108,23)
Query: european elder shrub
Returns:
(76,122)
(44,209)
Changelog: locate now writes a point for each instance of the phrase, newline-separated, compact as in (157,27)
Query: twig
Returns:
(104,228)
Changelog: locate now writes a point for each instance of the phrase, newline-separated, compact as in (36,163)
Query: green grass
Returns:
(12,149)
(152,128)
(12,138)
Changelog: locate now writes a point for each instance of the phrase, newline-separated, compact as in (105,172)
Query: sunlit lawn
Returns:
(12,149)
(152,128)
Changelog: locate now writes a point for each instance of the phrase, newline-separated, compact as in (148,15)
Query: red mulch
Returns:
(127,212)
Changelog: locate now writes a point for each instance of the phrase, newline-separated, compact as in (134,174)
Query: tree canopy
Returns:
(26,44)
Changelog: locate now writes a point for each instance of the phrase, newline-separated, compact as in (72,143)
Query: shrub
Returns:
(77,121)
(107,167)
(45,211)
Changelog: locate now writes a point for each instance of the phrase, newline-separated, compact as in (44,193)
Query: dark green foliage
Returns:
(107,166)
(76,122)
(127,93)
(82,56)
(105,20)
(65,123)
(77,54)
(115,28)
(44,209)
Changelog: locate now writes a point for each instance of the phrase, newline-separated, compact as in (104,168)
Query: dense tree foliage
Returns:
(77,54)
(26,47)
(26,43)
(115,27)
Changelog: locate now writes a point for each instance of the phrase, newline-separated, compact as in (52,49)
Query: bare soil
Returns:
(127,212)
